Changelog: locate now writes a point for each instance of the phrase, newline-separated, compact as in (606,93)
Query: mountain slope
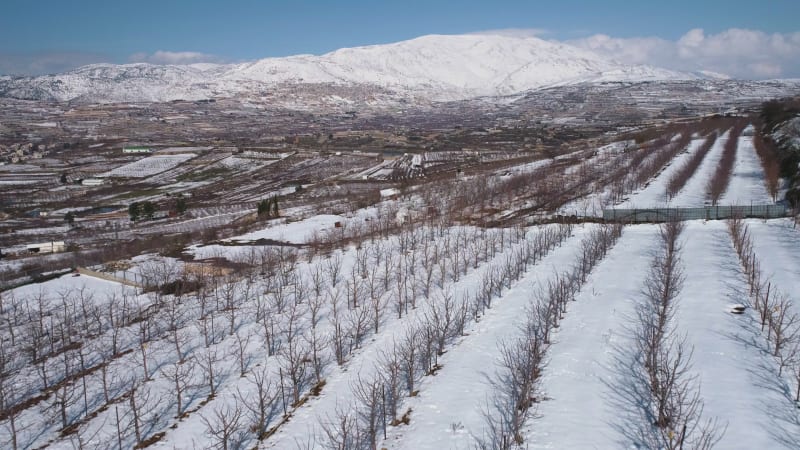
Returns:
(436,67)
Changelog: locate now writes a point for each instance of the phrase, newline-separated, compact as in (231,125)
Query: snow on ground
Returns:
(693,193)
(590,362)
(777,247)
(655,193)
(738,377)
(339,385)
(299,232)
(588,404)
(447,413)
(149,166)
(52,289)
(579,380)
(747,181)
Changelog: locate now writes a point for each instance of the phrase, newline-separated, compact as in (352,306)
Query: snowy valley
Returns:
(452,242)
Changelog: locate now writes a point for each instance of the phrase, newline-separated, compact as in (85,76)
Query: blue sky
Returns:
(45,35)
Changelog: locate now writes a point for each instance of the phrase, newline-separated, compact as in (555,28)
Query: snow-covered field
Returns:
(747,181)
(655,193)
(148,166)
(392,341)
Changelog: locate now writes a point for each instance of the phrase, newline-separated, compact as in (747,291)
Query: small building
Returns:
(92,181)
(390,193)
(47,247)
(137,149)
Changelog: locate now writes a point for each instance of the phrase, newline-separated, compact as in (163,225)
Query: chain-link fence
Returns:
(701,213)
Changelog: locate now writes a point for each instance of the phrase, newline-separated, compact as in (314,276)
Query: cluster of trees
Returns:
(774,114)
(775,309)
(663,151)
(378,398)
(545,188)
(650,157)
(145,209)
(685,172)
(268,207)
(765,149)
(647,160)
(142,363)
(722,175)
(672,395)
(515,384)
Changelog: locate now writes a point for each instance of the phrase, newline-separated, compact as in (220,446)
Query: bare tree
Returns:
(141,402)
(175,318)
(333,268)
(666,358)
(408,356)
(180,376)
(340,331)
(66,395)
(260,401)
(10,411)
(719,181)
(207,359)
(293,360)
(784,325)
(769,161)
(358,322)
(369,396)
(317,280)
(341,432)
(679,178)
(224,426)
(243,355)
(391,373)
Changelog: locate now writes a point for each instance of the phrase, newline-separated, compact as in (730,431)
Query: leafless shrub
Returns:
(370,396)
(514,384)
(342,432)
(719,181)
(685,172)
(767,153)
(180,376)
(676,405)
(224,426)
(261,402)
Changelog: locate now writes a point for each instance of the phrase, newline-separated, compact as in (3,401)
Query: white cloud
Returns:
(737,52)
(174,58)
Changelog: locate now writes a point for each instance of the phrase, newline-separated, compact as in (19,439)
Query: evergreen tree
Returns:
(69,218)
(180,205)
(148,209)
(275,207)
(134,210)
(264,207)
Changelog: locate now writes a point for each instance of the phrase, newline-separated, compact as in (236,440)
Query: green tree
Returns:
(148,209)
(69,218)
(275,212)
(63,178)
(793,197)
(180,205)
(134,210)
(264,207)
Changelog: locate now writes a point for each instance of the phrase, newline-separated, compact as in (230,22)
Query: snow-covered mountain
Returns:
(435,67)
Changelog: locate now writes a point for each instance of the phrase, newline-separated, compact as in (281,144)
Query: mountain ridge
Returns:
(437,67)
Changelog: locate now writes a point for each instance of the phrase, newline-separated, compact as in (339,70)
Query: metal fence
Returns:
(702,213)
